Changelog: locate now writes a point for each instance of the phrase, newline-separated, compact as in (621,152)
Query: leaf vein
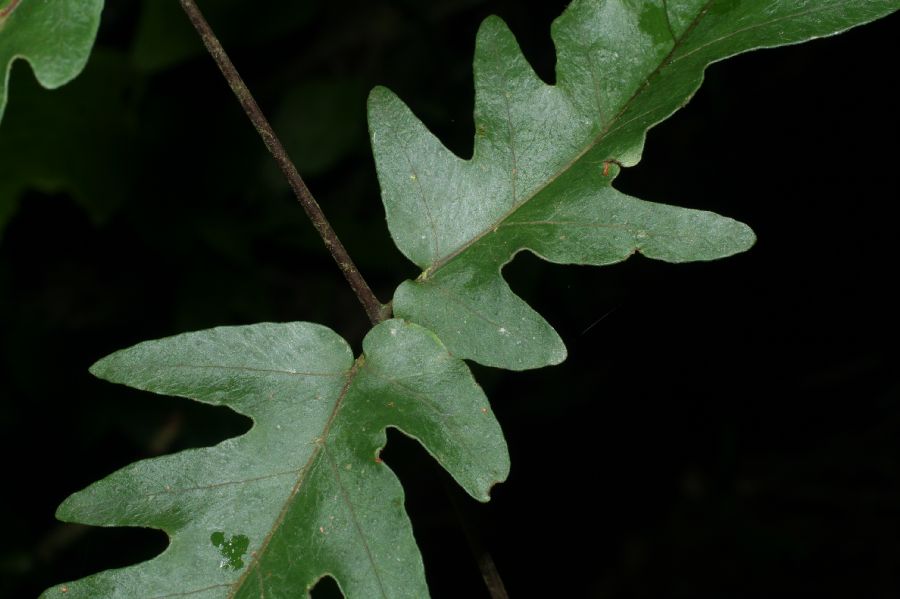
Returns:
(427,401)
(252,369)
(458,301)
(435,241)
(353,517)
(254,559)
(668,19)
(731,34)
(193,592)
(514,172)
(678,43)
(595,80)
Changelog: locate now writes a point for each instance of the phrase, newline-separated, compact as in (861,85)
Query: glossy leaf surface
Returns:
(545,157)
(303,494)
(53,36)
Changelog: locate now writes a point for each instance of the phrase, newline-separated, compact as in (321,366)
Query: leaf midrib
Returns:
(613,123)
(7,10)
(677,43)
(319,447)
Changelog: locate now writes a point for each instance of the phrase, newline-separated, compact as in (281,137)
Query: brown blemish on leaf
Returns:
(5,12)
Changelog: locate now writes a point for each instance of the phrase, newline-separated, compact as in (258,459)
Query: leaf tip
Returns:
(559,353)
(380,96)
(492,25)
(494,39)
(67,510)
(734,238)
(548,350)
(378,92)
(101,368)
(747,236)
(81,507)
(382,106)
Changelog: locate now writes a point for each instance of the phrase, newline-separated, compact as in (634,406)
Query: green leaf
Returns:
(53,36)
(545,157)
(303,494)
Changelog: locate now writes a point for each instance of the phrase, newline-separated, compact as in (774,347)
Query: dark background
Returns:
(726,429)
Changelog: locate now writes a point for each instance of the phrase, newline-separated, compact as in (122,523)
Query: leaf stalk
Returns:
(376,311)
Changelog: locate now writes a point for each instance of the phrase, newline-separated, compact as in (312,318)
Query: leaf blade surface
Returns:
(545,157)
(302,494)
(54,37)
